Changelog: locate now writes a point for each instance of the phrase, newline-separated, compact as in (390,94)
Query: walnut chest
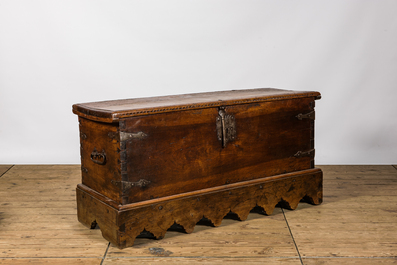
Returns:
(148,163)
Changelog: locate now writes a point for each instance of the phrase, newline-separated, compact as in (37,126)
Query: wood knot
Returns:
(161,252)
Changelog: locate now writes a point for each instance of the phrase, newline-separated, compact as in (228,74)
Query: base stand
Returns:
(122,224)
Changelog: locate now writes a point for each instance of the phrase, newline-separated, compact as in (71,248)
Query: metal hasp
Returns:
(125,185)
(225,127)
(309,116)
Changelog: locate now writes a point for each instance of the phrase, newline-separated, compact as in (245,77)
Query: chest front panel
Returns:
(177,152)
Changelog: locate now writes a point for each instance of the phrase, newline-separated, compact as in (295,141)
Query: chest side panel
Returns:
(99,149)
(179,152)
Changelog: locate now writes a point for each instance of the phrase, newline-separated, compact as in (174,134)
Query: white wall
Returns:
(57,53)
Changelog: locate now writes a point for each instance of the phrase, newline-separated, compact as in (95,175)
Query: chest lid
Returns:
(113,110)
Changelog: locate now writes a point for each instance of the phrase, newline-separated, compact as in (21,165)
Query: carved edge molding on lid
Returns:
(206,105)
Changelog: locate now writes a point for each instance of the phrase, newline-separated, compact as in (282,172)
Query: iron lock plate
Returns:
(225,127)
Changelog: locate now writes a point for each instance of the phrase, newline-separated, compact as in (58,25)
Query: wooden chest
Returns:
(151,162)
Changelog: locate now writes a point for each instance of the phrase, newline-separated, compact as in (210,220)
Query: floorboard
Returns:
(356,224)
(71,261)
(212,261)
(37,223)
(356,219)
(349,261)
(4,168)
(232,239)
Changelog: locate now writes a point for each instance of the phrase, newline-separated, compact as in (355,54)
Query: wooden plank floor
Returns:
(356,224)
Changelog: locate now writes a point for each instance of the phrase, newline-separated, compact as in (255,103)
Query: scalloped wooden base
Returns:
(121,224)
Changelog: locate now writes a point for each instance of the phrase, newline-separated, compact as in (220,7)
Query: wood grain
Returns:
(72,261)
(38,218)
(182,153)
(357,170)
(113,110)
(348,261)
(345,229)
(357,219)
(95,136)
(232,238)
(4,168)
(215,261)
(122,227)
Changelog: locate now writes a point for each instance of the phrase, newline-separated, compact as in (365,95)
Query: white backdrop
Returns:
(57,53)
